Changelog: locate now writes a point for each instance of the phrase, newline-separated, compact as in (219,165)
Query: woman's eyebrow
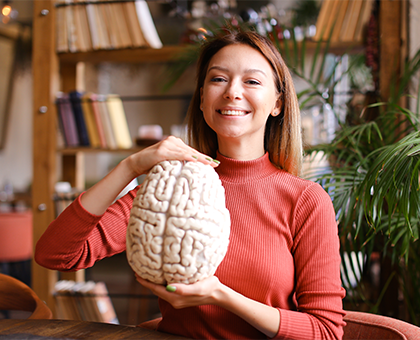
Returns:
(251,70)
(219,68)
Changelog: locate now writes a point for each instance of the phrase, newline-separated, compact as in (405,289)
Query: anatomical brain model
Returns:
(179,226)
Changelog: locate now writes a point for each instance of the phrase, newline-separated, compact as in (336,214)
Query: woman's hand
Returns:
(180,295)
(211,291)
(98,198)
(170,148)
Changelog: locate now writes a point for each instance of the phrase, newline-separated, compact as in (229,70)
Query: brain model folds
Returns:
(179,226)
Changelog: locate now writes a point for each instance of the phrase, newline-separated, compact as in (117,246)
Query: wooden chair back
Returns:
(15,295)
(360,325)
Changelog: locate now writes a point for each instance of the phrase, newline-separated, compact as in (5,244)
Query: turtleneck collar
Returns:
(237,171)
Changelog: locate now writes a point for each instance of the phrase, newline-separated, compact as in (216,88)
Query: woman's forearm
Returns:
(100,196)
(264,318)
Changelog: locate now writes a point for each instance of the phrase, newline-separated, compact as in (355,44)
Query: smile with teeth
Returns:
(232,112)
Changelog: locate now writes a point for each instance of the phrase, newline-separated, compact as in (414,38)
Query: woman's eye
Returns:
(217,79)
(253,82)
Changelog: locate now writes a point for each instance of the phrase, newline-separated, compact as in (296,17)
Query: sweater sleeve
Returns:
(76,239)
(317,259)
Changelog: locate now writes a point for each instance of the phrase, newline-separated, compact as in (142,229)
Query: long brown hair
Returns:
(282,138)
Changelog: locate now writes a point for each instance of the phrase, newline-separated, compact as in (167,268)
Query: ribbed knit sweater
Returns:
(283,252)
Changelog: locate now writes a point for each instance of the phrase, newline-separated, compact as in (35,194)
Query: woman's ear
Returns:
(277,108)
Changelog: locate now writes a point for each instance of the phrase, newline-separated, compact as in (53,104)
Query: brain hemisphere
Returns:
(179,226)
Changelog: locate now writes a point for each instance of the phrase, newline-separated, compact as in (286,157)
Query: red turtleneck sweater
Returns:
(283,252)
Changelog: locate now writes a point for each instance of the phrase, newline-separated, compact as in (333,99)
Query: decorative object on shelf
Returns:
(64,195)
(179,226)
(149,134)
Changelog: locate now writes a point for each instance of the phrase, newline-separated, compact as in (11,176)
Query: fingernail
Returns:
(209,159)
(170,288)
(216,161)
(194,157)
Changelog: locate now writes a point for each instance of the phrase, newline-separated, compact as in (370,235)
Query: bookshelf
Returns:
(54,72)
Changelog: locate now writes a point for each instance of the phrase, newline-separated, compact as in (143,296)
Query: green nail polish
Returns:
(170,288)
(209,159)
(194,157)
(216,161)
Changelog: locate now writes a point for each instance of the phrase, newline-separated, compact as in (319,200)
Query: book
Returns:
(331,19)
(94,26)
(76,104)
(72,37)
(112,25)
(78,300)
(91,123)
(352,16)
(66,120)
(86,301)
(322,20)
(364,18)
(93,102)
(100,104)
(65,305)
(341,13)
(102,304)
(118,121)
(104,31)
(147,25)
(136,34)
(62,44)
(79,43)
(86,40)
(121,25)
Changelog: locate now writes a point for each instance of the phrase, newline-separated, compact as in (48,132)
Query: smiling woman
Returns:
(280,276)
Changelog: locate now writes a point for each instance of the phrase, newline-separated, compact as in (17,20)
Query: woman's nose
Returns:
(233,91)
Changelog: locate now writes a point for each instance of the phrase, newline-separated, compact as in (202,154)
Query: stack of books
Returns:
(93,120)
(343,20)
(97,25)
(86,301)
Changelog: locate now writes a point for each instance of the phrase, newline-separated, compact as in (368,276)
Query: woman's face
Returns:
(238,95)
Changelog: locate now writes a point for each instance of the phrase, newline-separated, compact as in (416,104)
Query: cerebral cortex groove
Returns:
(179,225)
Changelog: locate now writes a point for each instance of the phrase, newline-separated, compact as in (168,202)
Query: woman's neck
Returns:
(240,150)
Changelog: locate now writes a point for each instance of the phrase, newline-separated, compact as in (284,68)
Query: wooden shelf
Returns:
(73,151)
(168,53)
(129,55)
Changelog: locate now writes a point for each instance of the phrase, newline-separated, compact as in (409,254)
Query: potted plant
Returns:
(373,179)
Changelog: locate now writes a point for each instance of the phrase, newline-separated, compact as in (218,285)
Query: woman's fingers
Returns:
(184,295)
(174,148)
(171,148)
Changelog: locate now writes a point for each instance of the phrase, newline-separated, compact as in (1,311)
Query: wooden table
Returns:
(69,330)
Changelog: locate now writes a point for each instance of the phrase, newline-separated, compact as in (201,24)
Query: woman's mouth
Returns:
(232,112)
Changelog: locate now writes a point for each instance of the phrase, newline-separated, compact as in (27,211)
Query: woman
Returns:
(280,277)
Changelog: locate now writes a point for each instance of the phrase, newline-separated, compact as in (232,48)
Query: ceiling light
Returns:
(8,13)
